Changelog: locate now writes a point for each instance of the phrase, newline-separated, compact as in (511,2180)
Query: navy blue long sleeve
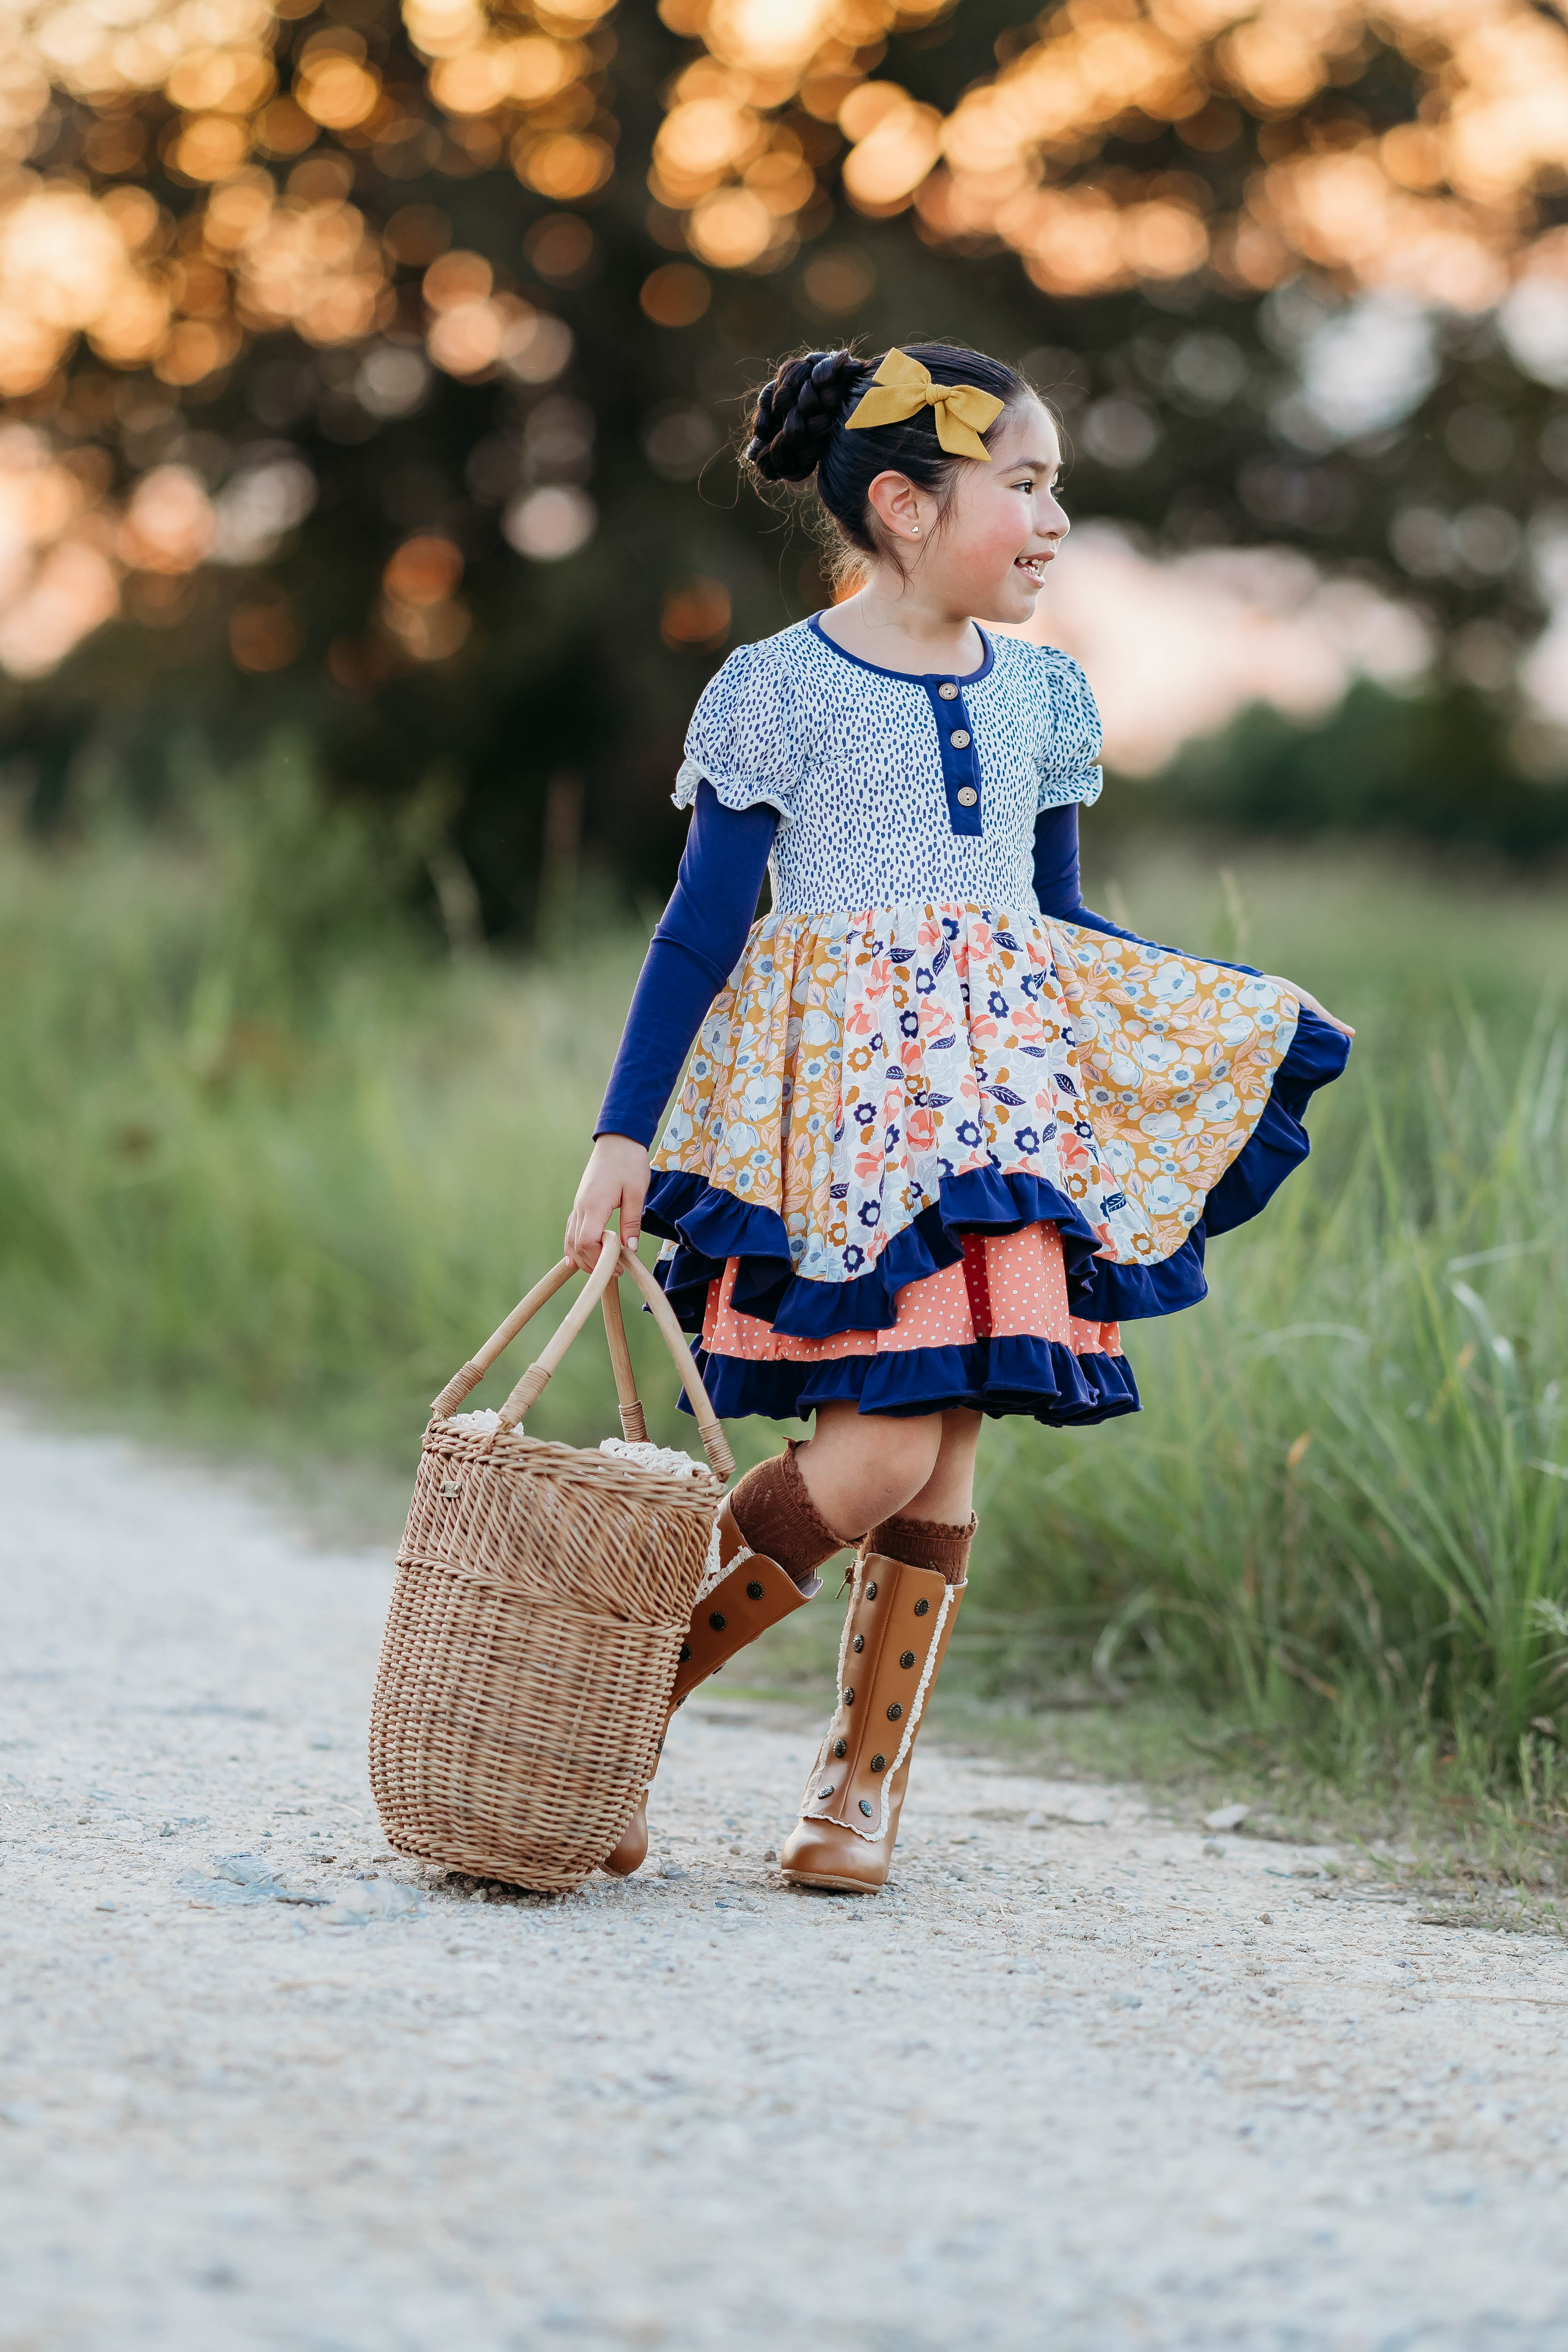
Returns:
(1056,884)
(694,949)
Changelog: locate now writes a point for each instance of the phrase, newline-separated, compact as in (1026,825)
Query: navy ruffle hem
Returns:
(993,1376)
(1009,1375)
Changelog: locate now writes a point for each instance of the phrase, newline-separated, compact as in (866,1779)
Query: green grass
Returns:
(277,1206)
(271,1164)
(1352,1482)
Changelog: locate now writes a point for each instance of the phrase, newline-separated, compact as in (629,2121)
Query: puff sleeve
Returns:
(745,738)
(1069,764)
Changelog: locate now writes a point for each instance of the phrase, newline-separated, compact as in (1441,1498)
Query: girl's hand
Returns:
(615,1178)
(1312,1004)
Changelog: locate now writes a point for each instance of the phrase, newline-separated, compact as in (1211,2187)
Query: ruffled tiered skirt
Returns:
(935,1155)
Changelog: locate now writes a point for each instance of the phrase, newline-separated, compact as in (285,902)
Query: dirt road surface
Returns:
(1085,2078)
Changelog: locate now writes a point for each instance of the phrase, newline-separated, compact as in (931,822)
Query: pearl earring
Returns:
(914,531)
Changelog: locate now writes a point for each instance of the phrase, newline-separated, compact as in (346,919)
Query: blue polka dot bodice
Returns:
(890,788)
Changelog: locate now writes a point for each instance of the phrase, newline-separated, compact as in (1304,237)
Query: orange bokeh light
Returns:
(423,570)
(259,131)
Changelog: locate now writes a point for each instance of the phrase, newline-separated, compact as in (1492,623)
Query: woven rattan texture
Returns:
(542,1596)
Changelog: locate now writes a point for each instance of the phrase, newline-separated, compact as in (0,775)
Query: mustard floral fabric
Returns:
(854,1061)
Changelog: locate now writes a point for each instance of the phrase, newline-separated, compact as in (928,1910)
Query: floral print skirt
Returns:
(935,1154)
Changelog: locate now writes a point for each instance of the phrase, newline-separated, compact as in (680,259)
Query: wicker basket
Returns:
(542,1593)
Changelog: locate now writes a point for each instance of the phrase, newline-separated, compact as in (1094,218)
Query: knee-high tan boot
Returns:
(895,1636)
(752,1594)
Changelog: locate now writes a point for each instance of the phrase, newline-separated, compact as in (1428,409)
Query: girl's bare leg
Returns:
(949,1493)
(861,1468)
(858,1466)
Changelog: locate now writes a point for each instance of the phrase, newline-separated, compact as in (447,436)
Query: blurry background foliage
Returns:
(367,515)
(370,374)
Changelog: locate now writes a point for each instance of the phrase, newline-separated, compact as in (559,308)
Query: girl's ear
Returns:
(897,504)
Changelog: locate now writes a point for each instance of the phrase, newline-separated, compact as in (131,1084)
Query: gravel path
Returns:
(1082,2079)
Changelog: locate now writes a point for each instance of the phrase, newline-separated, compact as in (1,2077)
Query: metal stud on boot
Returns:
(752,1593)
(895,1636)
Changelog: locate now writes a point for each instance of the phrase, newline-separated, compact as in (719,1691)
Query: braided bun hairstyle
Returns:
(797,412)
(798,433)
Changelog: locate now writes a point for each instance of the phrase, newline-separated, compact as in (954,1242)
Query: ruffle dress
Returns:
(933,1147)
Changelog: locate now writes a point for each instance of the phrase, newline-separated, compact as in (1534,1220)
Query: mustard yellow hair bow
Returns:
(902,386)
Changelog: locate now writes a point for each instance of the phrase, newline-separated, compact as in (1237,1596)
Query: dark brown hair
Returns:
(799,434)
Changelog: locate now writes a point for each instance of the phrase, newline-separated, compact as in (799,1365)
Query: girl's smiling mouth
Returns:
(1033,566)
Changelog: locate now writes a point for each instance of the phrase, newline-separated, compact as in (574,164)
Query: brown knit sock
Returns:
(777,1517)
(927,1543)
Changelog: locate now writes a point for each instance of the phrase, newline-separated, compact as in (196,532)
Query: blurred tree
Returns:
(1433,766)
(371,370)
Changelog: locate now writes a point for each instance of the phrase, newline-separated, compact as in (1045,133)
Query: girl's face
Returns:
(985,558)
(1005,523)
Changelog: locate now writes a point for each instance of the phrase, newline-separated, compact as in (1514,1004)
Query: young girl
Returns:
(944,1129)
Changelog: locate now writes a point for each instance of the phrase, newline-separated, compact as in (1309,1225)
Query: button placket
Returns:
(960,763)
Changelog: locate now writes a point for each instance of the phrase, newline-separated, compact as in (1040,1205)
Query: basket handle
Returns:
(710,1428)
(601,1286)
(633,1425)
(467,1379)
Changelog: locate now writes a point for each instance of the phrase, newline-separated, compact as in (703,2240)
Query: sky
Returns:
(1176,645)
